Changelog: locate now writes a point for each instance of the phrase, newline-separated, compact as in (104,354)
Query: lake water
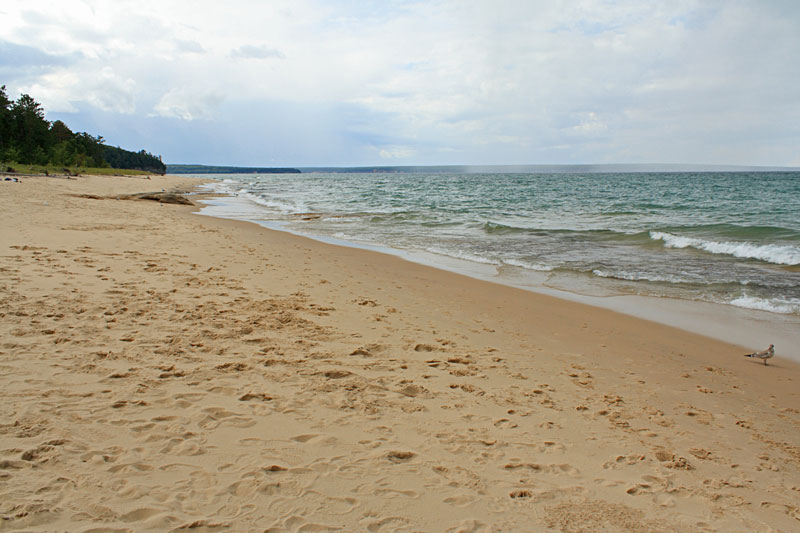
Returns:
(731,238)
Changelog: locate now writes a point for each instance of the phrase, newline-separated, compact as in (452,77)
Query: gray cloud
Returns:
(256,52)
(14,55)
(191,47)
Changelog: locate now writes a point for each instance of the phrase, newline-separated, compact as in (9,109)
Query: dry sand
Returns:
(162,370)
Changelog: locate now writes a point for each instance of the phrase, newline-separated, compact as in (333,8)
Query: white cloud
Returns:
(396,152)
(186,104)
(518,79)
(590,125)
(111,92)
(60,90)
(54,91)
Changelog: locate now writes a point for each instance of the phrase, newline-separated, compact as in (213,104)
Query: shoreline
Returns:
(167,371)
(749,328)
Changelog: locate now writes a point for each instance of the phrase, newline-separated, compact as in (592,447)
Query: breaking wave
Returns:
(771,253)
(774,305)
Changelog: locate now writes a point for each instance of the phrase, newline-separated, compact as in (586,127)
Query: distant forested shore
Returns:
(27,138)
(207,169)
(610,168)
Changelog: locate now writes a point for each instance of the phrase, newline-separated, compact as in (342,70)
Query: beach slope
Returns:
(161,370)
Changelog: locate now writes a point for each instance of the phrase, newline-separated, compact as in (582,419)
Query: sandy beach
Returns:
(166,371)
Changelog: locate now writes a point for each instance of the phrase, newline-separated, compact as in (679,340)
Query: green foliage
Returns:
(119,158)
(5,121)
(59,132)
(71,169)
(30,130)
(26,137)
(205,169)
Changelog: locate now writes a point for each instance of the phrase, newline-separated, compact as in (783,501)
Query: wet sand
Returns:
(164,371)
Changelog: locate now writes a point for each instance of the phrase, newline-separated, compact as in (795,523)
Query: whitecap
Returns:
(460,254)
(638,276)
(774,305)
(770,253)
(281,207)
(527,265)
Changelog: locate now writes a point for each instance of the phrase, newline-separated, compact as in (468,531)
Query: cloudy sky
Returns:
(358,82)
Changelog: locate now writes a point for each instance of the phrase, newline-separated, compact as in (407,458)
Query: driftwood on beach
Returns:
(163,197)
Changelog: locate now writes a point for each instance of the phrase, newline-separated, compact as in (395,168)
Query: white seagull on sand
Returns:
(764,354)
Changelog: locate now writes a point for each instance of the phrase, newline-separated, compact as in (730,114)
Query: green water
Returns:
(732,238)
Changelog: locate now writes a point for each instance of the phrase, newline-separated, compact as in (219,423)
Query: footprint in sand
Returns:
(98,456)
(400,456)
(459,501)
(424,348)
(557,469)
(413,390)
(670,460)
(790,510)
(256,396)
(391,523)
(336,374)
(630,459)
(305,438)
(700,453)
(44,452)
(130,468)
(218,416)
(466,387)
(138,515)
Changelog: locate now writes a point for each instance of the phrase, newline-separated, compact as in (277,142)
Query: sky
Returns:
(395,82)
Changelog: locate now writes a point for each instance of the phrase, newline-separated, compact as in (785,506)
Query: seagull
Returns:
(763,355)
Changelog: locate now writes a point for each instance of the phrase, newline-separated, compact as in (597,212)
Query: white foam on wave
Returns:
(774,305)
(281,207)
(770,253)
(538,267)
(238,189)
(638,276)
(460,254)
(218,187)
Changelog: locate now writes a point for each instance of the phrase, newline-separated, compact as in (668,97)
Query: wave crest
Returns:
(461,254)
(771,253)
(538,267)
(500,229)
(639,276)
(775,305)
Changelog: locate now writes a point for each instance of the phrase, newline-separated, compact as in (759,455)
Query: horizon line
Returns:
(536,166)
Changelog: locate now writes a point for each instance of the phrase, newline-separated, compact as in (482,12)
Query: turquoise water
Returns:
(730,238)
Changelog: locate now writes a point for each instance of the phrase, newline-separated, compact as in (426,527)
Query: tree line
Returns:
(207,169)
(26,137)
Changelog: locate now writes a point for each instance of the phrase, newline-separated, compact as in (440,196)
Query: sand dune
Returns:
(164,371)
